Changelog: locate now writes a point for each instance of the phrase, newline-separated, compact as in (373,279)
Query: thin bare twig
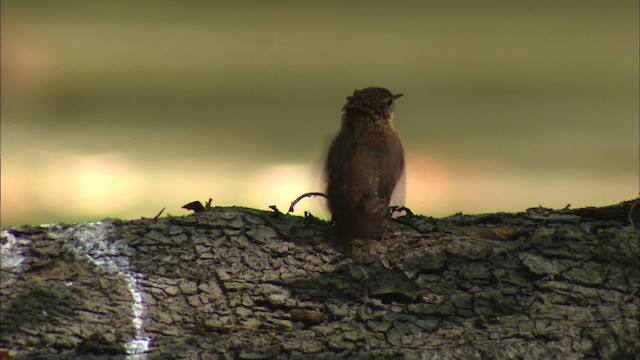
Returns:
(398,209)
(160,213)
(309,194)
(275,209)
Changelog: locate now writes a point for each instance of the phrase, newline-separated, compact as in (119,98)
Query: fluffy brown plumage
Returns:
(363,166)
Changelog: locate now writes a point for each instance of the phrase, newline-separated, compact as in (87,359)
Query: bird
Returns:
(363,166)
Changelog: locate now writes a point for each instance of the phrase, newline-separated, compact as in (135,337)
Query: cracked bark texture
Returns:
(237,283)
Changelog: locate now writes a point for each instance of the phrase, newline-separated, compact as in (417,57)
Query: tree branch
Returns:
(242,283)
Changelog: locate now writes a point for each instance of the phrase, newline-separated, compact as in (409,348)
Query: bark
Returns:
(237,283)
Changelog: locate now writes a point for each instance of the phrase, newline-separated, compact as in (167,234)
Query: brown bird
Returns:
(364,164)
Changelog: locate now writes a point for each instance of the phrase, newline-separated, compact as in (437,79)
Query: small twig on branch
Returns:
(309,194)
(275,209)
(160,213)
(398,209)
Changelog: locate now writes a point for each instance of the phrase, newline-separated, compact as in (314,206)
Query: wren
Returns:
(364,164)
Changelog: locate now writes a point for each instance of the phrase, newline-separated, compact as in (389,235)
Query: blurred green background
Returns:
(122,108)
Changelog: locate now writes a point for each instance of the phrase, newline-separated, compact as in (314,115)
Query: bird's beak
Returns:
(396,96)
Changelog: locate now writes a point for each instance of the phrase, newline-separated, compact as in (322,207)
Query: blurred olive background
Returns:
(122,108)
